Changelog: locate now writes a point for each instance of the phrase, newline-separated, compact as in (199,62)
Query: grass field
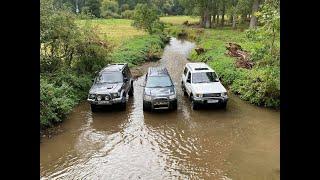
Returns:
(177,20)
(114,30)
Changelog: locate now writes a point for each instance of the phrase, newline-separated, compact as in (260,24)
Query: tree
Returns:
(94,7)
(146,17)
(270,18)
(253,20)
(109,8)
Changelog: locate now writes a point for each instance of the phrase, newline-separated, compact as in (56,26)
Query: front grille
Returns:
(212,95)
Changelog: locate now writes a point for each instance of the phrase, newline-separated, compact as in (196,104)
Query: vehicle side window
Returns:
(189,77)
(185,71)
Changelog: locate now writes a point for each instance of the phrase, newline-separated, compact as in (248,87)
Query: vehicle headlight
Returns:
(173,96)
(115,95)
(199,95)
(92,96)
(224,94)
(147,97)
(99,98)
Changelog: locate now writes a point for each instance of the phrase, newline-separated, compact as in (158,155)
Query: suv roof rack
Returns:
(157,71)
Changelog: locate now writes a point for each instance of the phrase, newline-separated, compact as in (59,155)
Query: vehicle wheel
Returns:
(174,106)
(146,108)
(194,105)
(184,90)
(224,105)
(131,90)
(93,108)
(123,106)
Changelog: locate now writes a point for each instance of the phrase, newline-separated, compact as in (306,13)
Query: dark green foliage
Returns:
(59,93)
(93,6)
(127,14)
(110,9)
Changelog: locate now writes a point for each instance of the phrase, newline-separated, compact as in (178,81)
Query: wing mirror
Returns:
(188,80)
(220,78)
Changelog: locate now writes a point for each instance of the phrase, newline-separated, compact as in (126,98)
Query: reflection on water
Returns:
(241,142)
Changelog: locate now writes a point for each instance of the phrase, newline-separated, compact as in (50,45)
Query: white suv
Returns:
(202,85)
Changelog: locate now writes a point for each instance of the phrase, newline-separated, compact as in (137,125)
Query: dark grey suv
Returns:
(111,86)
(159,91)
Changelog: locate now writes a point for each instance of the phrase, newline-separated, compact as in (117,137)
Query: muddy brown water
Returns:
(241,142)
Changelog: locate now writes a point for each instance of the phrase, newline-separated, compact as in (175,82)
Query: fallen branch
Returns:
(243,57)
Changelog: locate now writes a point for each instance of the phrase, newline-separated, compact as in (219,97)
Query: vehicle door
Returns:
(188,83)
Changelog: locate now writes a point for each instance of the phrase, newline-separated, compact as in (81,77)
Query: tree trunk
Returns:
(214,18)
(202,20)
(234,18)
(217,20)
(222,16)
(206,19)
(253,20)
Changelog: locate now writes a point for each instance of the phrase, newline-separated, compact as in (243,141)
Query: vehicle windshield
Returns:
(204,77)
(158,81)
(110,77)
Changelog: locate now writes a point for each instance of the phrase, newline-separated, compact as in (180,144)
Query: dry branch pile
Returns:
(243,57)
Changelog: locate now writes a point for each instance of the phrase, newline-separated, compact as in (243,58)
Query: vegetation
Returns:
(71,50)
(146,17)
(259,85)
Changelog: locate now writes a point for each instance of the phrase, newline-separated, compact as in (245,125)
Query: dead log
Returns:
(243,57)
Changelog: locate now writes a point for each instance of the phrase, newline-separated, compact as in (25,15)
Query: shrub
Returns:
(127,14)
(146,17)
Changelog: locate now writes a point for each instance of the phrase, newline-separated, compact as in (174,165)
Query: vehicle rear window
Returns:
(204,77)
(158,81)
(110,77)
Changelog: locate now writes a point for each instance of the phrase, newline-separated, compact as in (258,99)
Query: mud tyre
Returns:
(93,108)
(131,91)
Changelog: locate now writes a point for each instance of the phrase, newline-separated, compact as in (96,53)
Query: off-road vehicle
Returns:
(159,91)
(202,85)
(112,85)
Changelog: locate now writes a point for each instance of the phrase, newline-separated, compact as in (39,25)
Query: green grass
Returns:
(178,20)
(115,30)
(139,49)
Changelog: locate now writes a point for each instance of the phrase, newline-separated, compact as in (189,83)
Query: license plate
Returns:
(212,101)
(103,102)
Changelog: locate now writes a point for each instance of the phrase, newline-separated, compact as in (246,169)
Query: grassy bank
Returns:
(259,85)
(64,88)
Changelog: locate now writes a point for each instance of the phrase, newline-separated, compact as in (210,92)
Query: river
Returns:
(241,142)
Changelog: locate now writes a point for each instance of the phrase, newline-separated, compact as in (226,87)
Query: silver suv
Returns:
(112,85)
(202,85)
(159,91)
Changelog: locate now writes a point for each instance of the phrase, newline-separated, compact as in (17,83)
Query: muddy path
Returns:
(242,142)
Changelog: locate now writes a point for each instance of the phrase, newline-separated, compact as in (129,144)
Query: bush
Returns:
(110,15)
(127,14)
(260,87)
(59,93)
(146,17)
